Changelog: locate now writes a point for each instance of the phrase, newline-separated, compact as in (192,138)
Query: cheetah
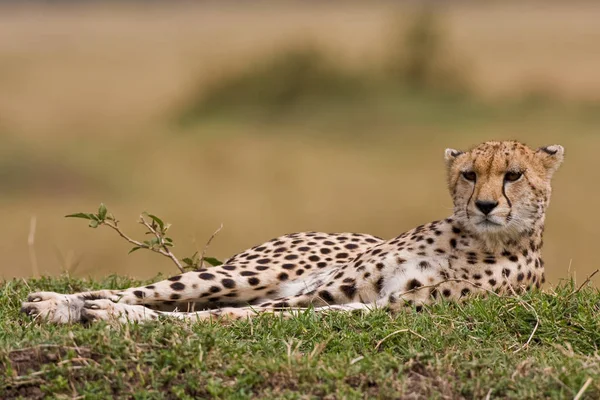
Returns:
(491,243)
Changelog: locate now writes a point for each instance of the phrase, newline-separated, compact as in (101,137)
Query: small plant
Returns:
(159,241)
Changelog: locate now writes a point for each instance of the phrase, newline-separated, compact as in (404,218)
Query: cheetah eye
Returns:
(512,176)
(470,176)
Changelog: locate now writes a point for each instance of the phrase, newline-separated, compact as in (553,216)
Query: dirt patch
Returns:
(423,381)
(32,359)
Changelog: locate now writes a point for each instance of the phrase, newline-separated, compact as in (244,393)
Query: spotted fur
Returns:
(491,243)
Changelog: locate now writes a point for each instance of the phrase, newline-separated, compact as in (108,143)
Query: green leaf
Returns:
(102,212)
(136,248)
(79,215)
(94,224)
(157,220)
(213,261)
(188,261)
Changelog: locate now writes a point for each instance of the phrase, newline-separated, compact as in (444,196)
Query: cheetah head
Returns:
(502,189)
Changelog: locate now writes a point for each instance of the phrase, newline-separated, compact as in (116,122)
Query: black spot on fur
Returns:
(291,257)
(465,292)
(175,278)
(177,286)
(413,284)
(248,273)
(264,261)
(325,295)
(206,276)
(348,290)
(513,258)
(506,272)
(379,284)
(282,304)
(228,283)
(520,276)
(214,289)
(341,255)
(283,276)
(139,294)
(446,292)
(492,282)
(253,281)
(321,264)
(351,246)
(314,258)
(423,265)
(229,267)
(262,268)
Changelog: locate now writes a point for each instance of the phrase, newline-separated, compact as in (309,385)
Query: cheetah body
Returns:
(491,243)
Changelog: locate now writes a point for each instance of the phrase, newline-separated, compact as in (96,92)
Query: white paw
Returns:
(107,310)
(53,307)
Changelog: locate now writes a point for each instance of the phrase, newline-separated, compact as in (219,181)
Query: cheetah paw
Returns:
(53,307)
(107,310)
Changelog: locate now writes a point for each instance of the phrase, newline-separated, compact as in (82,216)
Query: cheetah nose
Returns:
(486,207)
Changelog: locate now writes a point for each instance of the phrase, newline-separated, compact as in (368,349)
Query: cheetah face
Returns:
(501,188)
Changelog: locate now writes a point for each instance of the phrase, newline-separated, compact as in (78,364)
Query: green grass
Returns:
(446,351)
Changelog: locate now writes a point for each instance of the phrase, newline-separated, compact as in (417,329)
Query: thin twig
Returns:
(208,244)
(397,332)
(588,279)
(167,253)
(31,242)
(164,248)
(583,389)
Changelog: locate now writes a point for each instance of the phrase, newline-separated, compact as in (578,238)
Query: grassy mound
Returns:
(543,345)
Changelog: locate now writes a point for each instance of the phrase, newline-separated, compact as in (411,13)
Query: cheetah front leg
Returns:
(95,310)
(224,284)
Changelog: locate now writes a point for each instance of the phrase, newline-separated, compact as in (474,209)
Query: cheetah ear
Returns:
(551,157)
(450,155)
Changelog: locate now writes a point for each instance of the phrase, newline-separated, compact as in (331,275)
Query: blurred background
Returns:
(280,117)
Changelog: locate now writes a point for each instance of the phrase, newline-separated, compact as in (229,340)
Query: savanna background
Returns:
(279,117)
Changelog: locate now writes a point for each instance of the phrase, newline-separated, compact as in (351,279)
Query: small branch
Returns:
(124,236)
(208,244)
(166,253)
(31,242)
(588,279)
(164,250)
